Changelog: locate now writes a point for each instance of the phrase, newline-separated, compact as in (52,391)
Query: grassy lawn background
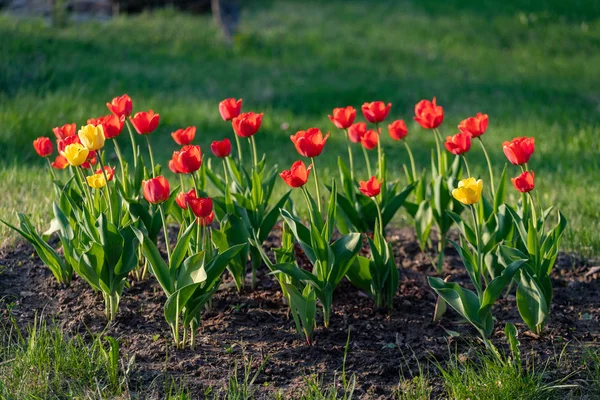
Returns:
(532,66)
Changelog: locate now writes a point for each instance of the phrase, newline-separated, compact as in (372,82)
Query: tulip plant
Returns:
(476,306)
(533,241)
(377,275)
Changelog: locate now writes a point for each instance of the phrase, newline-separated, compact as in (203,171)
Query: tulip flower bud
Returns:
(92,137)
(75,154)
(468,191)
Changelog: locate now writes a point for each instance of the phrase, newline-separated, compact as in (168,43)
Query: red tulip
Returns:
(120,106)
(370,188)
(60,162)
(519,150)
(398,129)
(145,122)
(62,132)
(342,118)
(110,172)
(201,207)
(62,143)
(376,111)
(111,124)
(247,124)
(428,114)
(357,131)
(230,108)
(309,143)
(221,149)
(297,175)
(187,160)
(524,183)
(206,221)
(173,168)
(370,139)
(43,146)
(183,197)
(91,160)
(156,190)
(458,144)
(184,136)
(474,126)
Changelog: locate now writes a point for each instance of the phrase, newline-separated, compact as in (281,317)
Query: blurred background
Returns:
(532,65)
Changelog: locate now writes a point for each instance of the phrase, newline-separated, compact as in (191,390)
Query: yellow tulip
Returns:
(468,191)
(75,154)
(96,181)
(92,137)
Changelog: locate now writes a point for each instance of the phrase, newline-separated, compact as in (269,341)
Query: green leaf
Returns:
(391,207)
(271,218)
(359,274)
(176,302)
(531,303)
(495,288)
(158,266)
(180,250)
(344,251)
(500,194)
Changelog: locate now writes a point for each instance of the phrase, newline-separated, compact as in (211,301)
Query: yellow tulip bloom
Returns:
(75,154)
(468,191)
(96,181)
(92,137)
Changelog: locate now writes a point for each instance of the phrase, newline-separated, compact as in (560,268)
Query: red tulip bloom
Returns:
(187,160)
(173,168)
(221,149)
(206,221)
(519,150)
(247,124)
(309,143)
(428,114)
(474,126)
(145,122)
(91,160)
(43,146)
(297,175)
(370,188)
(524,183)
(342,118)
(184,136)
(357,131)
(111,124)
(120,106)
(62,143)
(230,108)
(370,139)
(183,197)
(376,111)
(62,132)
(60,162)
(398,130)
(458,144)
(201,207)
(110,172)
(156,190)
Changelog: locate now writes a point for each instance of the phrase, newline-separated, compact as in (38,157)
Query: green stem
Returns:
(120,157)
(317,183)
(86,188)
(350,157)
(479,253)
(181,182)
(166,231)
(151,156)
(225,173)
(195,180)
(133,145)
(489,163)
(367,161)
(466,165)
(52,175)
(239,147)
(307,198)
(438,151)
(380,217)
(412,160)
(379,153)
(254,155)
(106,184)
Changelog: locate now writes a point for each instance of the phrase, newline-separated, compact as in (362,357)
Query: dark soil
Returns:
(383,346)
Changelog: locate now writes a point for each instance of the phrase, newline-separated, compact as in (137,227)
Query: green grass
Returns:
(43,362)
(532,66)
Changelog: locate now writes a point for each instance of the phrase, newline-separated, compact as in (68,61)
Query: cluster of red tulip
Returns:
(430,205)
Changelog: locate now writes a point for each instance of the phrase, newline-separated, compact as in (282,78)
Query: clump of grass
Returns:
(491,375)
(241,383)
(43,362)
